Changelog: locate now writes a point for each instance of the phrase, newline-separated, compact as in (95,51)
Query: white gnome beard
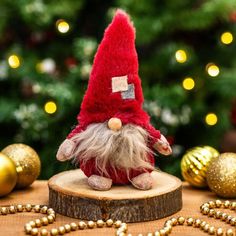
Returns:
(125,149)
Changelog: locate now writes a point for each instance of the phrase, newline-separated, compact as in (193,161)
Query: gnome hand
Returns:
(65,150)
(163,146)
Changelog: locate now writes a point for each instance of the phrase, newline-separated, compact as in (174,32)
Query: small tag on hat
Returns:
(130,93)
(119,84)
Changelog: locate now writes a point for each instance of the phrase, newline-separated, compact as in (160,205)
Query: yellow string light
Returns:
(50,107)
(211,119)
(14,61)
(227,38)
(188,83)
(181,56)
(212,69)
(62,26)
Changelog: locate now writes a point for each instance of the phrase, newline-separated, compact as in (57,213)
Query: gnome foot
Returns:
(99,183)
(143,181)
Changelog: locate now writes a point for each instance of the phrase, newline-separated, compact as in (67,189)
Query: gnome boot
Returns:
(142,181)
(99,182)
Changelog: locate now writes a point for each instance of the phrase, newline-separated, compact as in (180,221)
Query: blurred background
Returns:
(187,56)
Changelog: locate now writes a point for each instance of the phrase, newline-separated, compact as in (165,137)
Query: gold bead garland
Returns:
(208,208)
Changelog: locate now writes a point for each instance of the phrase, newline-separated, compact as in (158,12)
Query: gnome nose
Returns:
(115,124)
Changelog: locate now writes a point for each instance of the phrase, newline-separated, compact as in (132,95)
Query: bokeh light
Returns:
(211,119)
(188,83)
(14,61)
(50,107)
(226,38)
(62,26)
(212,69)
(181,56)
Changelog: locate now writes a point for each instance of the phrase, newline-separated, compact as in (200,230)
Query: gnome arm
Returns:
(75,131)
(153,134)
(68,145)
(158,141)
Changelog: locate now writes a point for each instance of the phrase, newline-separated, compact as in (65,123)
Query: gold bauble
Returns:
(221,175)
(8,175)
(194,165)
(27,163)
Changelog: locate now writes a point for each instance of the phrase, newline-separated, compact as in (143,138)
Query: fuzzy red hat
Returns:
(114,88)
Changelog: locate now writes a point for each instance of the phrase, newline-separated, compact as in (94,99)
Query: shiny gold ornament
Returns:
(8,175)
(27,163)
(194,164)
(221,176)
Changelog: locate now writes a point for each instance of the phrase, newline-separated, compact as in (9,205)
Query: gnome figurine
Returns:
(114,140)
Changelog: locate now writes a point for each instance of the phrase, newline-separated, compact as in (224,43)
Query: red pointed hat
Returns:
(114,88)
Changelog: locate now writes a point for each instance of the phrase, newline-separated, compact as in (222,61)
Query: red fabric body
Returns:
(117,176)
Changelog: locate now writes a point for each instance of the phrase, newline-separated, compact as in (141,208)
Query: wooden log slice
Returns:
(70,195)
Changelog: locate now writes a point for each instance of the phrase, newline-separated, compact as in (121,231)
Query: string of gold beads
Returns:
(33,227)
(208,208)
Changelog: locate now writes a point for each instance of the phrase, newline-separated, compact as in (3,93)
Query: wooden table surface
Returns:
(38,194)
